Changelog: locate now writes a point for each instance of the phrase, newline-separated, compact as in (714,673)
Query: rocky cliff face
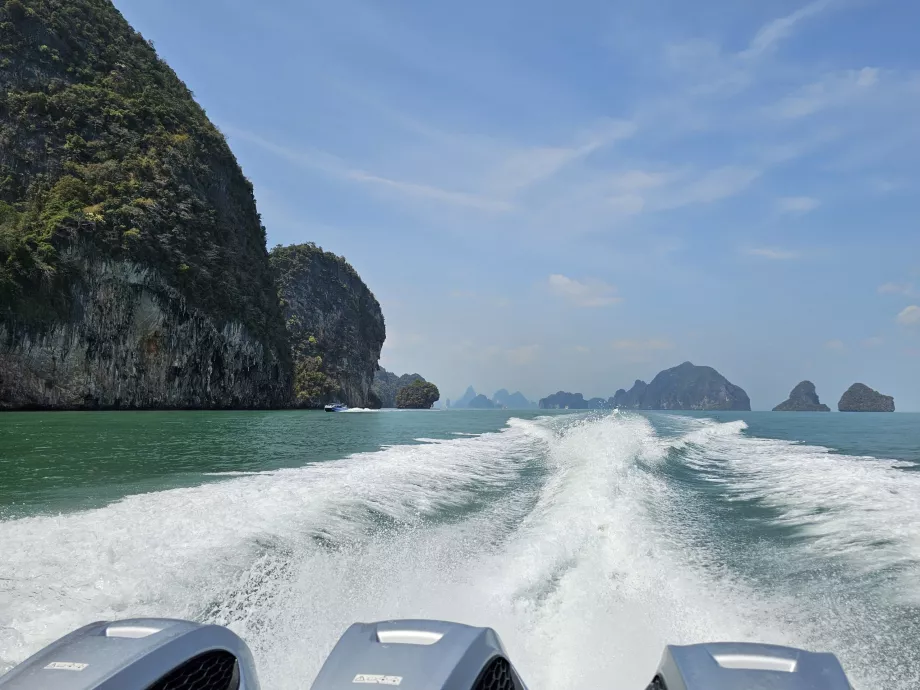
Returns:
(631,399)
(860,398)
(685,387)
(387,385)
(464,399)
(335,325)
(803,398)
(571,401)
(481,402)
(512,401)
(133,269)
(134,342)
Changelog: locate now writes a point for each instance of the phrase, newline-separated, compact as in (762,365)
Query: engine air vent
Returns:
(496,676)
(211,671)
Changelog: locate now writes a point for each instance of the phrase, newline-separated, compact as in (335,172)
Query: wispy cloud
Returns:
(797,204)
(874,341)
(428,192)
(714,185)
(774,253)
(589,293)
(524,167)
(906,289)
(909,316)
(835,345)
(833,90)
(657,344)
(772,33)
(525,354)
(334,166)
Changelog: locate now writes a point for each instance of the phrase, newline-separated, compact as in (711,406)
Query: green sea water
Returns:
(587,540)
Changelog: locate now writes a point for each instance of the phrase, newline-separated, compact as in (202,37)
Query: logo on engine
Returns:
(377,680)
(66,666)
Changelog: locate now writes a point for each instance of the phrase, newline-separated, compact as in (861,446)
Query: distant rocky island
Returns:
(860,398)
(684,387)
(418,395)
(387,385)
(572,401)
(512,401)
(803,398)
(501,400)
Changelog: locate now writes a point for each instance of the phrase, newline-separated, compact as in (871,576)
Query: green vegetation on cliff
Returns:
(418,395)
(133,267)
(387,385)
(335,326)
(103,148)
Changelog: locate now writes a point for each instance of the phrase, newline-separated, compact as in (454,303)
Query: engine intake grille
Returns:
(211,671)
(496,676)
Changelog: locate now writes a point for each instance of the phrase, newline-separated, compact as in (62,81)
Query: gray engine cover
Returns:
(413,655)
(127,655)
(747,666)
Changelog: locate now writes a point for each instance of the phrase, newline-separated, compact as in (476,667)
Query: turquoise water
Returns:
(588,541)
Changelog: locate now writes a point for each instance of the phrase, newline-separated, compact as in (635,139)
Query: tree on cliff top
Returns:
(418,395)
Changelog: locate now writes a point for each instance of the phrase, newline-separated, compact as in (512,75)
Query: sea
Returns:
(588,541)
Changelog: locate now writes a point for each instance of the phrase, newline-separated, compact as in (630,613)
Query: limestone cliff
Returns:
(335,325)
(133,268)
(387,385)
(563,400)
(803,398)
(684,387)
(481,402)
(860,398)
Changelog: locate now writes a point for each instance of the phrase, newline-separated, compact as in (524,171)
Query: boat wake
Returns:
(587,541)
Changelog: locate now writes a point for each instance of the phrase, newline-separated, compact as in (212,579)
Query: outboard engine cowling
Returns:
(747,666)
(139,654)
(418,655)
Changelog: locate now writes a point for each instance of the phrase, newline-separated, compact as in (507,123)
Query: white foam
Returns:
(862,508)
(550,531)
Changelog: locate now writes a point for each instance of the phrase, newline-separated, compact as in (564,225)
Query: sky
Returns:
(569,196)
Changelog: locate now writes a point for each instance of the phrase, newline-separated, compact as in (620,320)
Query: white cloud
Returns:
(590,293)
(834,90)
(581,349)
(909,316)
(897,289)
(643,345)
(835,345)
(712,186)
(636,180)
(774,253)
(874,341)
(797,204)
(774,32)
(526,354)
(884,185)
(429,192)
(627,204)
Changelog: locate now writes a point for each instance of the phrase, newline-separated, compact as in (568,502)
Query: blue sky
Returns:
(549,195)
